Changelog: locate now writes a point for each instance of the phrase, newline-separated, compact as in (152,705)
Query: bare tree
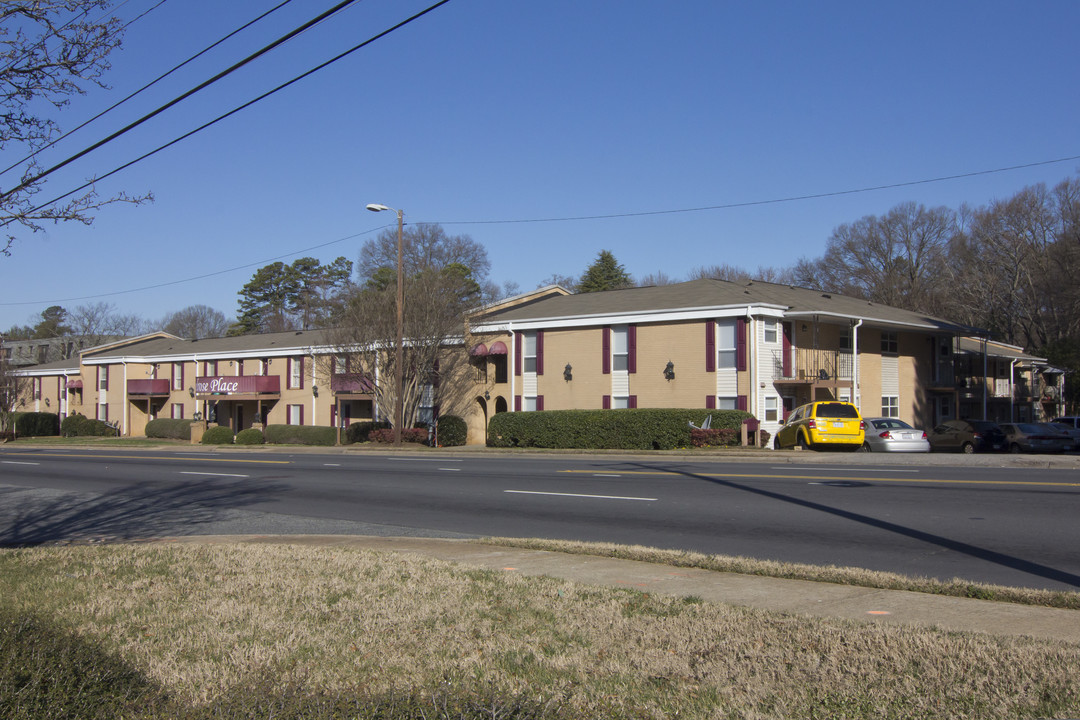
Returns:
(49,52)
(435,306)
(657,278)
(100,322)
(736,274)
(425,246)
(196,322)
(11,389)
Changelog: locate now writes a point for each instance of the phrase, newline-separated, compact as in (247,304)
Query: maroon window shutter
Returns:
(301,361)
(301,414)
(517,359)
(740,402)
(517,403)
(606,352)
(539,402)
(710,402)
(740,344)
(710,346)
(631,342)
(539,352)
(633,401)
(787,349)
(240,368)
(606,404)
(333,416)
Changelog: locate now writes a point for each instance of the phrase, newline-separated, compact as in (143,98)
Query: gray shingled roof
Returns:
(709,293)
(271,342)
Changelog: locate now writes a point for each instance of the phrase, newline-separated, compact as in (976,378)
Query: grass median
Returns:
(270,631)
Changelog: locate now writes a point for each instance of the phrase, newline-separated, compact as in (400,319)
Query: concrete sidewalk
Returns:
(789,596)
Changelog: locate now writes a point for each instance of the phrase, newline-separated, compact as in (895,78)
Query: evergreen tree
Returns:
(606,273)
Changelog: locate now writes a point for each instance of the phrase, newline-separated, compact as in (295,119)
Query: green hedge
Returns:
(169,428)
(361,431)
(251,436)
(37,424)
(301,435)
(220,435)
(640,429)
(81,426)
(416,435)
(451,431)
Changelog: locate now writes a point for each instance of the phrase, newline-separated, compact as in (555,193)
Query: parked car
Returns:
(831,423)
(1071,420)
(1034,437)
(1072,431)
(893,435)
(966,436)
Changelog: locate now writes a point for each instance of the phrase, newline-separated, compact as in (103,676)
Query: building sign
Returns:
(223,385)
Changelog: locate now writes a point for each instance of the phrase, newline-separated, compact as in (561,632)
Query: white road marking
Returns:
(451,469)
(602,497)
(605,475)
(16,462)
(331,464)
(423,460)
(213,474)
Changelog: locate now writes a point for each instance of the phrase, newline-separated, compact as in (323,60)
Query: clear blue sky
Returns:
(488,110)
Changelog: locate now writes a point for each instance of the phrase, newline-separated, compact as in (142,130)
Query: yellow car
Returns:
(830,423)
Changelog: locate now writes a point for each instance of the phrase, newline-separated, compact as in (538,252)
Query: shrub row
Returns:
(360,431)
(300,435)
(251,436)
(169,428)
(219,435)
(638,429)
(409,435)
(81,426)
(37,424)
(451,431)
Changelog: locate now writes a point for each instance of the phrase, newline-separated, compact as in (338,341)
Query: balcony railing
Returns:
(814,365)
(148,387)
(351,383)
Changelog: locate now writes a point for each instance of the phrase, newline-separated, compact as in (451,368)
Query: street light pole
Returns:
(399,377)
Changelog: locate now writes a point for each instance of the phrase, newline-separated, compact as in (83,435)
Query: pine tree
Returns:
(605,274)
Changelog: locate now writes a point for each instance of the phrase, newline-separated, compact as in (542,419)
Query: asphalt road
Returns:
(1004,525)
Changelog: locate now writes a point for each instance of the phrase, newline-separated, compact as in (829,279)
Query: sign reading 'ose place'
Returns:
(222,385)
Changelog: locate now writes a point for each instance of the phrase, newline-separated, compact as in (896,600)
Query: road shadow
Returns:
(34,517)
(974,551)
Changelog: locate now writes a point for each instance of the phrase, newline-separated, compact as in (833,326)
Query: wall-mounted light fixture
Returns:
(315,390)
(191,391)
(487,395)
(47,403)
(669,370)
(568,373)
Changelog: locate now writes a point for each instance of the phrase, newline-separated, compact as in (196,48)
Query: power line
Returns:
(726,206)
(171,103)
(774,201)
(150,84)
(235,110)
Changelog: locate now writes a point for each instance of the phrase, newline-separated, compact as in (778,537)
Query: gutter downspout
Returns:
(856,396)
(751,362)
(510,365)
(1012,390)
(986,379)
(127,411)
(314,413)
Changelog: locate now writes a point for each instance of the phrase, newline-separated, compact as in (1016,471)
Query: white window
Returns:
(890,406)
(528,404)
(529,352)
(341,365)
(727,403)
(889,343)
(620,401)
(620,350)
(770,331)
(425,413)
(177,376)
(295,415)
(177,411)
(296,367)
(772,412)
(725,343)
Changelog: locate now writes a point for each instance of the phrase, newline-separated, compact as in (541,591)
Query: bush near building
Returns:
(251,436)
(169,428)
(82,426)
(300,435)
(408,435)
(360,431)
(639,429)
(451,431)
(220,435)
(37,424)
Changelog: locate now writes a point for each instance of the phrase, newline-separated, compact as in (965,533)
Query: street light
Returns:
(399,379)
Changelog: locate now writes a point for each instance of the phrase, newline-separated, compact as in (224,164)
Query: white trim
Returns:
(862,319)
(632,318)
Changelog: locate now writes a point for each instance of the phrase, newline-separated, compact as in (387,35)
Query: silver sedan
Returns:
(892,435)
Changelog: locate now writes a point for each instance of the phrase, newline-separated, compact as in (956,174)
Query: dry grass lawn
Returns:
(202,620)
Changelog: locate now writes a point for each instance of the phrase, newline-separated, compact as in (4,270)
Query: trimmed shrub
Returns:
(638,429)
(359,431)
(220,435)
(169,428)
(251,436)
(81,426)
(408,435)
(451,431)
(37,424)
(300,435)
(714,437)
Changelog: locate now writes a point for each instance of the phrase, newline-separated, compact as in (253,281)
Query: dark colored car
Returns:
(966,436)
(1035,437)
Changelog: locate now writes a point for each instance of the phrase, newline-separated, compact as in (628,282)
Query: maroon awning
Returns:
(497,348)
(479,350)
(74,384)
